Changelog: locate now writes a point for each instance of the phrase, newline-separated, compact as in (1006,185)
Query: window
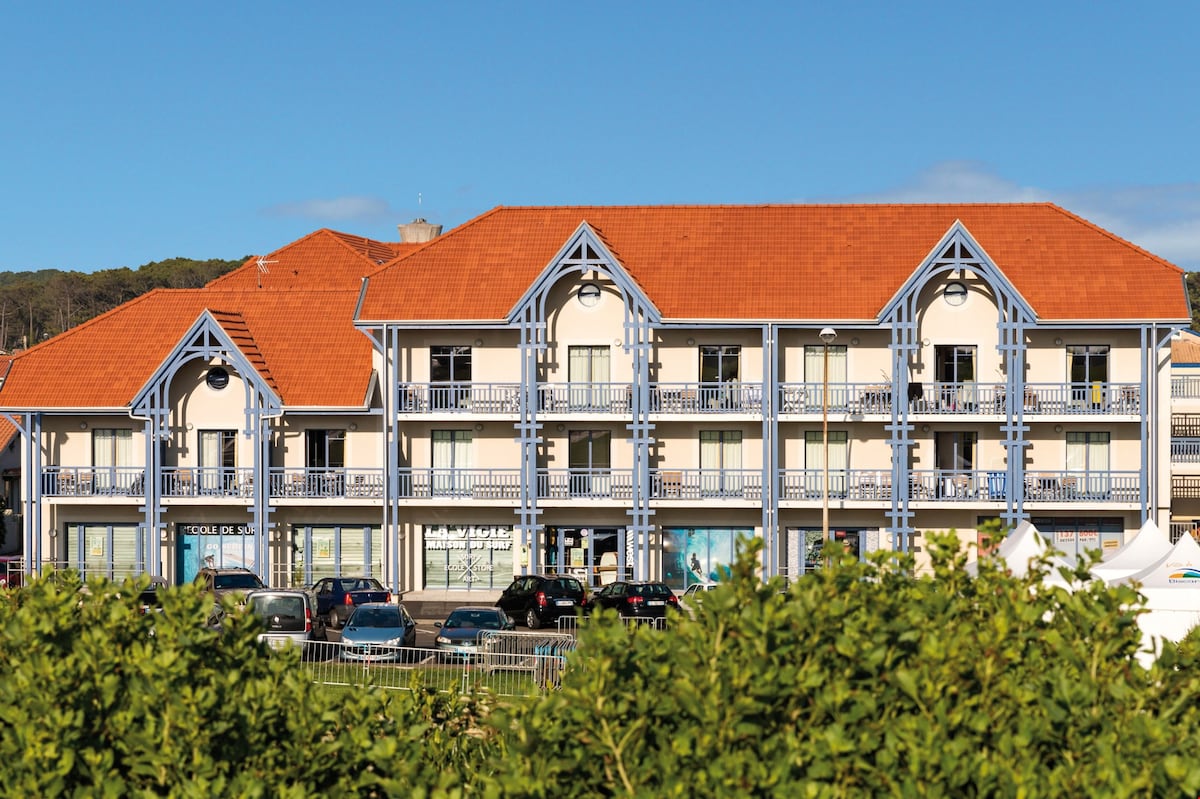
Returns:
(720,462)
(1087,369)
(814,374)
(814,462)
(329,551)
(449,365)
(588,375)
(589,457)
(451,462)
(589,295)
(954,453)
(955,450)
(112,448)
(1088,455)
(325,449)
(955,294)
(218,460)
(1074,536)
(103,550)
(955,373)
(217,378)
(719,365)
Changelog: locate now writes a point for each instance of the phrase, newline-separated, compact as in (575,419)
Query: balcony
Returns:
(1185,450)
(1185,387)
(580,484)
(464,398)
(580,398)
(706,484)
(188,482)
(960,486)
(961,399)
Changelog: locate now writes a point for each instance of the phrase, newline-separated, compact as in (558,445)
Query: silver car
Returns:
(289,615)
(379,632)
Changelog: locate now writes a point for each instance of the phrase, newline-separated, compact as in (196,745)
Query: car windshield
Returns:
(361,585)
(376,617)
(476,619)
(650,589)
(236,581)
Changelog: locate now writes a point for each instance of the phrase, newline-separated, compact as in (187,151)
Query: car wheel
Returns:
(332,624)
(531,619)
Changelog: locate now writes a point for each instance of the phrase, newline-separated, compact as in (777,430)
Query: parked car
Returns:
(636,599)
(338,596)
(11,572)
(289,615)
(224,582)
(458,635)
(150,598)
(377,631)
(539,599)
(693,593)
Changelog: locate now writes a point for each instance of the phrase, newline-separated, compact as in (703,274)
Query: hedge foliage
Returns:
(859,680)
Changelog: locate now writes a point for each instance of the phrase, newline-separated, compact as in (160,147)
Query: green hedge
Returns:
(860,680)
(99,700)
(865,681)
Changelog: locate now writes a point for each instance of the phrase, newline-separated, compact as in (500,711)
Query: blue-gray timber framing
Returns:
(206,341)
(585,253)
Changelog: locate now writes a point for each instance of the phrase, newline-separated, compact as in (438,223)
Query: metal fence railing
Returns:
(503,672)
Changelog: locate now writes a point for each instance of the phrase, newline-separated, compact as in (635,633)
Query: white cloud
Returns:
(1163,219)
(363,209)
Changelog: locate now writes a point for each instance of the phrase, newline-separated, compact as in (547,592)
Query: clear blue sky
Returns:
(140,131)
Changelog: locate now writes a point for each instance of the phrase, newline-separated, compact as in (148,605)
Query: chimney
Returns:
(418,231)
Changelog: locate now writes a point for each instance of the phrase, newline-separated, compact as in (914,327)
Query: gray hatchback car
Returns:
(289,615)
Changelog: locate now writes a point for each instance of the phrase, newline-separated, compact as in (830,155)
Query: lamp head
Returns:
(828,334)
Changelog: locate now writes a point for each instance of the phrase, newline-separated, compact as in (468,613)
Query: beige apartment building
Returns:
(610,391)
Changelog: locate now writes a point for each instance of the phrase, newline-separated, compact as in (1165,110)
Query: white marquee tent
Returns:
(1024,545)
(1146,548)
(1172,590)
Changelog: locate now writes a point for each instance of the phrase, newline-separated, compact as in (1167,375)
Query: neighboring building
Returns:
(1185,434)
(611,390)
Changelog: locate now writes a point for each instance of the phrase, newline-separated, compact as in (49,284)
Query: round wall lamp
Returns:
(924,342)
(478,342)
(854,341)
(353,425)
(924,428)
(1058,342)
(478,426)
(1058,428)
(691,342)
(561,428)
(83,425)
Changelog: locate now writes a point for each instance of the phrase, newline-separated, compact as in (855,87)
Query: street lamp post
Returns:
(828,334)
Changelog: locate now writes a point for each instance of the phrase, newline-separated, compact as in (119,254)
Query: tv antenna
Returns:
(262,267)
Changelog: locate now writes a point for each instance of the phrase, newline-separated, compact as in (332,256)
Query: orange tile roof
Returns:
(302,342)
(1186,350)
(322,259)
(780,262)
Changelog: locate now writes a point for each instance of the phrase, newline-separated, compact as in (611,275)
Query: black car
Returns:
(220,582)
(338,596)
(636,599)
(539,599)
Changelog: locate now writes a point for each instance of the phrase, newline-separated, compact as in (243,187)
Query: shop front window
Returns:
(468,557)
